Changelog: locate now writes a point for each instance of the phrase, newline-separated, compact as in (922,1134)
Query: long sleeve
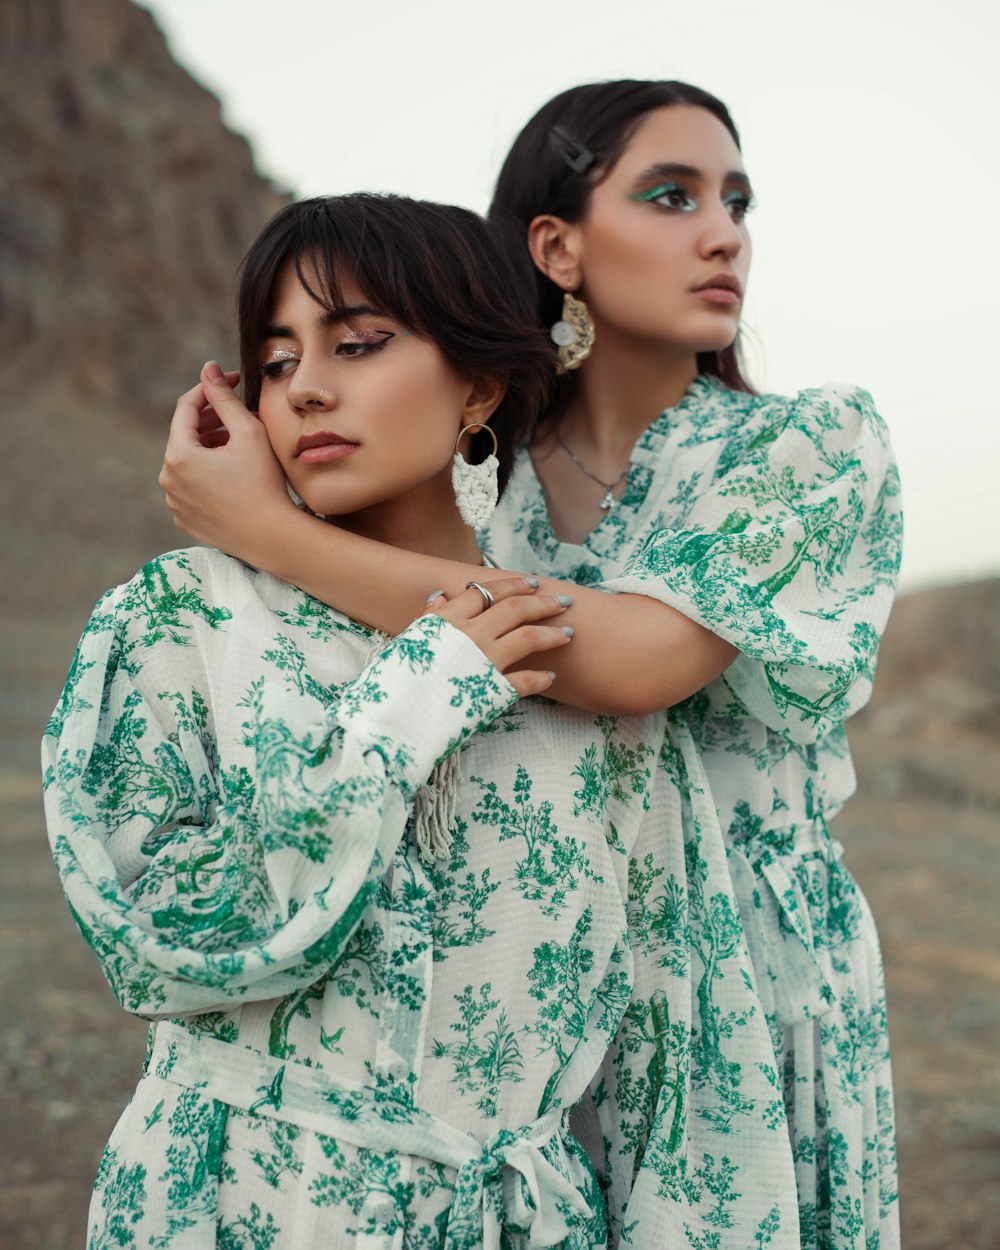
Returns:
(791,555)
(215,849)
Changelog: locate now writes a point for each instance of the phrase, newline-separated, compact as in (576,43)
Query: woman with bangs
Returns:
(732,556)
(373,904)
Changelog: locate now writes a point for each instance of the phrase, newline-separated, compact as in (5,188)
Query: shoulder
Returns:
(811,438)
(210,573)
(841,406)
(835,409)
(175,595)
(835,417)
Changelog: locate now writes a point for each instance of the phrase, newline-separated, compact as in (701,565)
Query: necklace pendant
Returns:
(609,501)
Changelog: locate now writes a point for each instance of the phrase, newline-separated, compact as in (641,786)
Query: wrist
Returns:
(429,690)
(277,531)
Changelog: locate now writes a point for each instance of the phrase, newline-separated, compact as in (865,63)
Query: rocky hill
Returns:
(125,206)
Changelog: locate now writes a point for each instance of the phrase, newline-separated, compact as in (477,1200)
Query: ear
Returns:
(555,248)
(482,399)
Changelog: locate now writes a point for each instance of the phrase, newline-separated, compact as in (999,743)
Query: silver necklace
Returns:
(609,501)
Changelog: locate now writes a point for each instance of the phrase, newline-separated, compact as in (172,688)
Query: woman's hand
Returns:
(221,478)
(511,629)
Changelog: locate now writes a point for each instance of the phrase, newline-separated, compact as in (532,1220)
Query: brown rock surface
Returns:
(126,206)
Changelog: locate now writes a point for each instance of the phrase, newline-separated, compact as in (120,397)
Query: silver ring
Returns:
(488,600)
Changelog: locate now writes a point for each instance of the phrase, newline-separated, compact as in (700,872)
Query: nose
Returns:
(309,392)
(721,236)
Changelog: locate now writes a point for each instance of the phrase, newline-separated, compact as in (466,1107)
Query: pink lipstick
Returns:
(322,446)
(723,289)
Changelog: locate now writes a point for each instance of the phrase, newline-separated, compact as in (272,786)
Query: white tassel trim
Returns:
(434,809)
(435,805)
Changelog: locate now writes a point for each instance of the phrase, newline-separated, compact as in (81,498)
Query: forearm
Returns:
(630,655)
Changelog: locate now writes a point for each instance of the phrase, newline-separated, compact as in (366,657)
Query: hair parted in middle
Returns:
(441,271)
(569,146)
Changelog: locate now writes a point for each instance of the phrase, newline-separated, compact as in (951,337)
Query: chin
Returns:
(724,336)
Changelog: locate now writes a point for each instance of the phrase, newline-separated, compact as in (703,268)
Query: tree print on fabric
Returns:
(246,871)
(290,662)
(460,900)
(612,770)
(651,1066)
(162,606)
(560,979)
(275,1155)
(487,1057)
(120,1190)
(553,865)
(253,1231)
(193,1161)
(658,915)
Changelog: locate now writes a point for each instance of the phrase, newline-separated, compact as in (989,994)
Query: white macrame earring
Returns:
(476,487)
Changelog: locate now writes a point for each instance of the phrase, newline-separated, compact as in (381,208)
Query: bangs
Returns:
(329,251)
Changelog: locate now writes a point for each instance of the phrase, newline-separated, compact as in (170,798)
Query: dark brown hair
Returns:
(569,146)
(440,271)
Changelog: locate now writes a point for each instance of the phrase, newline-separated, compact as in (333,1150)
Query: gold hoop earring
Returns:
(476,486)
(477,425)
(574,334)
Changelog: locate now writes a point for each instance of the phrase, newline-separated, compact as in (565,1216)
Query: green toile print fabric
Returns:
(746,1100)
(351,1046)
(354,1047)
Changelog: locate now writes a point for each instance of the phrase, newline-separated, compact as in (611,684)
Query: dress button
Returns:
(383,1212)
(399,1069)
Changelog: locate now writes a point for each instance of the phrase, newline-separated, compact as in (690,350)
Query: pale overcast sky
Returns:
(869,129)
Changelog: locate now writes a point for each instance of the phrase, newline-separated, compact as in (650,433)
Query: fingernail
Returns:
(214,372)
(533,582)
(568,630)
(552,675)
(434,595)
(563,600)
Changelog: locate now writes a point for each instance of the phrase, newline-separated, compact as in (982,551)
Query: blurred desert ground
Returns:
(125,208)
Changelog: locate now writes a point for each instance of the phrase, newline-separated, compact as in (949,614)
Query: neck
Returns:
(624,385)
(423,520)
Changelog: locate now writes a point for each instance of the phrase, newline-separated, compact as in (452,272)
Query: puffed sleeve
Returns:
(199,882)
(792,555)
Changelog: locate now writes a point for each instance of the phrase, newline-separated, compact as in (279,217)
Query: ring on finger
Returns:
(488,599)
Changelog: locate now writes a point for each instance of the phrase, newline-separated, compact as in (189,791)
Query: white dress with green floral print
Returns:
(775,523)
(352,1046)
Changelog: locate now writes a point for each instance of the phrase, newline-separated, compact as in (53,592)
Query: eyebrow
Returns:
(330,317)
(676,169)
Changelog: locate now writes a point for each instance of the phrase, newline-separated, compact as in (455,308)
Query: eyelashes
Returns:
(668,195)
(739,204)
(275,367)
(364,342)
(282,360)
(675,198)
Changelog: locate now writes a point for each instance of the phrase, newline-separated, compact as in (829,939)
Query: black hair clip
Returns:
(578,157)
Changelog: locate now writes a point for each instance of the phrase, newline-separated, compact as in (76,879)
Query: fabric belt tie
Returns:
(506,1182)
(779,932)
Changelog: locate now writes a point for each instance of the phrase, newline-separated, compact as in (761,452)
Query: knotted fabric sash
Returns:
(505,1182)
